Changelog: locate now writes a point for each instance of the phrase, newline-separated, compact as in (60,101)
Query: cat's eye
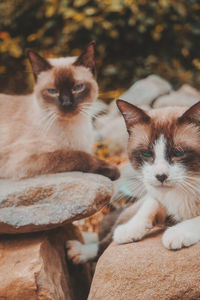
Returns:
(52,91)
(178,153)
(78,88)
(147,154)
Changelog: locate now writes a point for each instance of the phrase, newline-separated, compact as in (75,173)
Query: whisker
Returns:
(48,122)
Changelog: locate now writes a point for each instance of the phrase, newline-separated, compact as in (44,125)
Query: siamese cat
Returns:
(50,130)
(164,150)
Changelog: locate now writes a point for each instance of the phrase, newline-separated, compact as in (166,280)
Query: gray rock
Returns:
(188,89)
(176,99)
(144,91)
(114,133)
(48,201)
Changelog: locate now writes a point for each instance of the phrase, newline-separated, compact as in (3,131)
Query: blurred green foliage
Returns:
(134,38)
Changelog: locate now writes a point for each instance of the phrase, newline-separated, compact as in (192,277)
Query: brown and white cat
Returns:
(50,130)
(164,150)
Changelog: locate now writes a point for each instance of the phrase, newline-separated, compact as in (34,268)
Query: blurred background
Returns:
(134,39)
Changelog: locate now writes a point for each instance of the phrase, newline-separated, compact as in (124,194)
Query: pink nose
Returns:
(161,177)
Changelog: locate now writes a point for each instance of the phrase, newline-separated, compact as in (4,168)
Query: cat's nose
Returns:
(161,177)
(66,101)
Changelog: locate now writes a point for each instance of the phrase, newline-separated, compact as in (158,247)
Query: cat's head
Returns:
(164,145)
(65,85)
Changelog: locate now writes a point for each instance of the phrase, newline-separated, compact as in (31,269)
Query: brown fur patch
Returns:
(64,78)
(68,160)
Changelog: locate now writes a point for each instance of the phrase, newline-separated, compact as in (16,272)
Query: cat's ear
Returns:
(132,114)
(38,63)
(86,58)
(191,115)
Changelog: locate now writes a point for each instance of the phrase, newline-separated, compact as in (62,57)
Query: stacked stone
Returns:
(36,218)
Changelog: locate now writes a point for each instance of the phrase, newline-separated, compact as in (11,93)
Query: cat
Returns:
(50,130)
(164,150)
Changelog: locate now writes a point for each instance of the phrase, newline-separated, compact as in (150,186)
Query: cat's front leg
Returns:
(139,225)
(107,169)
(65,161)
(182,235)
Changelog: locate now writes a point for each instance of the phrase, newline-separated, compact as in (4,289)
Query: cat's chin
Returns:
(161,187)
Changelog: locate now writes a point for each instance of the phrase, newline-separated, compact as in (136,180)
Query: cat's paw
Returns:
(74,251)
(177,237)
(109,170)
(80,253)
(129,232)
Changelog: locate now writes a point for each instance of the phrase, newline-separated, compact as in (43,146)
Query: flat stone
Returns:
(177,99)
(146,270)
(34,267)
(48,201)
(144,91)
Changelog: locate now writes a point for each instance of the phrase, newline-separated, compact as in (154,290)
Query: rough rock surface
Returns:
(48,201)
(176,99)
(144,91)
(34,267)
(115,133)
(189,90)
(146,270)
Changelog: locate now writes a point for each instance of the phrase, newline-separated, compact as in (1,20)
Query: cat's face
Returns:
(66,86)
(164,146)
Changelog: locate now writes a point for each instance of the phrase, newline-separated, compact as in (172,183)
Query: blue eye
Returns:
(178,153)
(147,154)
(52,91)
(78,87)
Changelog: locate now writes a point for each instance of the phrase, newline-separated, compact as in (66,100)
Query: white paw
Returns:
(74,251)
(80,253)
(130,232)
(177,237)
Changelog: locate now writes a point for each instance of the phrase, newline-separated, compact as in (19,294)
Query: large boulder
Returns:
(146,270)
(34,267)
(49,201)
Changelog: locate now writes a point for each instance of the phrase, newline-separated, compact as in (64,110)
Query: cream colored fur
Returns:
(29,126)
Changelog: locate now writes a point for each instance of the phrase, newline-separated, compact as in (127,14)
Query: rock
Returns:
(98,108)
(101,121)
(115,135)
(109,115)
(144,91)
(188,89)
(113,109)
(146,270)
(176,99)
(33,266)
(49,201)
